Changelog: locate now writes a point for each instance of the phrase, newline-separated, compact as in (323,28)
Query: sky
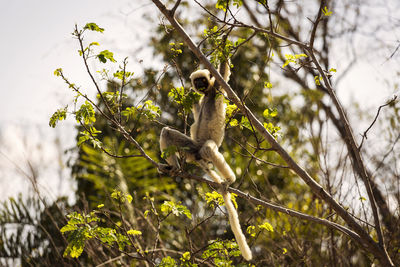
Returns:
(36,39)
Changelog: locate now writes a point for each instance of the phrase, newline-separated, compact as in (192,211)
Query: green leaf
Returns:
(121,197)
(267,226)
(332,70)
(267,85)
(93,27)
(326,11)
(149,110)
(76,251)
(214,198)
(317,80)
(270,113)
(134,232)
(251,230)
(122,75)
(221,4)
(129,113)
(185,256)
(168,262)
(86,114)
(58,72)
(175,208)
(59,115)
(104,55)
(68,228)
(245,123)
(128,198)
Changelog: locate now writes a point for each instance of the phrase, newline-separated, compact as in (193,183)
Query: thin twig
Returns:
(364,135)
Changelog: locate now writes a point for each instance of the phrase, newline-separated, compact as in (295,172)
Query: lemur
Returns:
(206,135)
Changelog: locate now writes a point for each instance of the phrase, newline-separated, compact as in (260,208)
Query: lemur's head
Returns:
(202,81)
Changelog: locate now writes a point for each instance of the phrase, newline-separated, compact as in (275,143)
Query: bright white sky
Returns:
(35,40)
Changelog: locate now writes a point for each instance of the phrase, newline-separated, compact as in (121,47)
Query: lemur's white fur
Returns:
(206,136)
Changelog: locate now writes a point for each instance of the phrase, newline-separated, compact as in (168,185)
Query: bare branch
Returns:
(364,135)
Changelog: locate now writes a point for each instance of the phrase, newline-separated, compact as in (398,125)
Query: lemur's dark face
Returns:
(201,84)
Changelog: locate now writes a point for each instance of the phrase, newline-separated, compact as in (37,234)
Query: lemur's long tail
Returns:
(232,215)
(235,226)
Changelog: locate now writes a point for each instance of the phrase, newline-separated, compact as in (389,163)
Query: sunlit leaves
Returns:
(267,85)
(170,207)
(122,75)
(293,59)
(272,129)
(176,48)
(231,110)
(251,230)
(93,27)
(221,251)
(104,55)
(82,227)
(150,110)
(167,262)
(58,72)
(221,48)
(121,197)
(185,100)
(134,232)
(223,4)
(270,113)
(86,114)
(214,198)
(59,115)
(266,226)
(185,256)
(317,80)
(326,12)
(90,135)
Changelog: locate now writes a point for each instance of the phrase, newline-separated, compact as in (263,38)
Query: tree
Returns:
(292,188)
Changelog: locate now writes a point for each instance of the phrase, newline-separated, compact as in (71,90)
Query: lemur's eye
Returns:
(200,83)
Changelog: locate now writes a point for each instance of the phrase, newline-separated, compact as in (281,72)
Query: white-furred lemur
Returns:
(206,135)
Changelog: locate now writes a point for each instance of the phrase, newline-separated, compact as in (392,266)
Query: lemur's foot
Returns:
(225,185)
(168,169)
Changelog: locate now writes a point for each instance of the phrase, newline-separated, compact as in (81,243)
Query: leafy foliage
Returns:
(105,55)
(93,27)
(59,115)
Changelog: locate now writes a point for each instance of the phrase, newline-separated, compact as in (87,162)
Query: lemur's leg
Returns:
(214,176)
(209,151)
(170,137)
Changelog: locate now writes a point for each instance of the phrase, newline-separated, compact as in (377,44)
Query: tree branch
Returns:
(376,249)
